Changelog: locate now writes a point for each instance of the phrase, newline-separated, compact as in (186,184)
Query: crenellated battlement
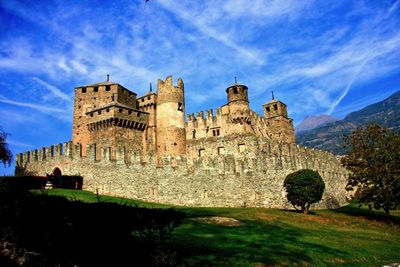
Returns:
(142,148)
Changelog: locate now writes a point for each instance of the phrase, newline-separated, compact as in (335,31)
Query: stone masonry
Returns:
(143,148)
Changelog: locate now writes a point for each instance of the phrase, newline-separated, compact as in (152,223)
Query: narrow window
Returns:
(95,89)
(84,90)
(148,98)
(275,107)
(201,152)
(194,134)
(268,109)
(99,112)
(235,90)
(120,110)
(214,133)
(242,147)
(108,87)
(217,132)
(108,110)
(142,99)
(138,114)
(180,107)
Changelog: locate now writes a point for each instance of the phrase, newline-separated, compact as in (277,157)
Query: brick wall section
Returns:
(249,171)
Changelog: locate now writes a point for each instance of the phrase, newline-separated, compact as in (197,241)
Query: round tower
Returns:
(171,134)
(238,103)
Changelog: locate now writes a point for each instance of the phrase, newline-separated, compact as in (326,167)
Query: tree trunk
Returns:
(387,212)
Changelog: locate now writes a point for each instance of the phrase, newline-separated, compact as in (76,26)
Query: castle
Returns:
(142,147)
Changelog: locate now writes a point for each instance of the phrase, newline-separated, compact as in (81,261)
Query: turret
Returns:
(238,103)
(275,108)
(171,134)
(281,126)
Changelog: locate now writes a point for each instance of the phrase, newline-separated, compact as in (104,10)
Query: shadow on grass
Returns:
(68,233)
(353,209)
(253,242)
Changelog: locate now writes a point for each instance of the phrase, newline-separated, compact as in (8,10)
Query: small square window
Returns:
(95,89)
(91,115)
(130,112)
(268,109)
(148,98)
(99,112)
(84,90)
(108,87)
(108,110)
(120,110)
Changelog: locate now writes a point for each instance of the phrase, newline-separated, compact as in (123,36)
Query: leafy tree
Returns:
(374,164)
(304,187)
(5,153)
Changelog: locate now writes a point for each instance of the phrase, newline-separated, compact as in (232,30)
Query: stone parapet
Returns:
(249,171)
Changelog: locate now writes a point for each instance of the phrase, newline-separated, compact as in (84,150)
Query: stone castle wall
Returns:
(247,171)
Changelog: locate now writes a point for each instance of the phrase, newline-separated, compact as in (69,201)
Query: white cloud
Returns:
(34,106)
(54,90)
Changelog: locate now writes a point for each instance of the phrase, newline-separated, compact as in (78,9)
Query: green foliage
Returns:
(373,161)
(5,153)
(73,233)
(21,183)
(67,181)
(304,187)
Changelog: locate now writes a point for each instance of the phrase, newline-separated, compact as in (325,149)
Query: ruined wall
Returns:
(216,178)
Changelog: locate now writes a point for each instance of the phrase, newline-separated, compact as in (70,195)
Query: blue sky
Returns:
(319,57)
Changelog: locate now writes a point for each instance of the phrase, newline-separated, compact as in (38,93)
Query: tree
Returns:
(304,187)
(373,161)
(5,153)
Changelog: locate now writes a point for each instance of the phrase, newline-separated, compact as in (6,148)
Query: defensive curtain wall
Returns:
(234,171)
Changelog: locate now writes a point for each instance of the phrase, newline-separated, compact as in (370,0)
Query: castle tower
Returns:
(238,103)
(147,103)
(281,126)
(170,118)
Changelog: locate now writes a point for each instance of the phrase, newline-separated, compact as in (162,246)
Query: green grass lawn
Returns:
(349,236)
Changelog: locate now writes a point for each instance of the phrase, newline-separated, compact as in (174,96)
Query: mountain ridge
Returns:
(330,135)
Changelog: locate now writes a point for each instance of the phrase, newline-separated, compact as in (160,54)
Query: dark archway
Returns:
(57,172)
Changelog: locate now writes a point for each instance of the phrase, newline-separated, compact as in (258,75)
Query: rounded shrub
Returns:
(304,187)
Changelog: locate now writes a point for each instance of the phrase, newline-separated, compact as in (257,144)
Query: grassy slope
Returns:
(349,236)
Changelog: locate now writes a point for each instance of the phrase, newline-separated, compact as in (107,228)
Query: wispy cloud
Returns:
(54,90)
(201,22)
(34,106)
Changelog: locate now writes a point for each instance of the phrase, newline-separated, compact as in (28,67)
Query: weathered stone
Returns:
(142,148)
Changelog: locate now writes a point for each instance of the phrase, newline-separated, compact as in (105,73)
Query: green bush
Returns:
(304,187)
(22,183)
(67,182)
